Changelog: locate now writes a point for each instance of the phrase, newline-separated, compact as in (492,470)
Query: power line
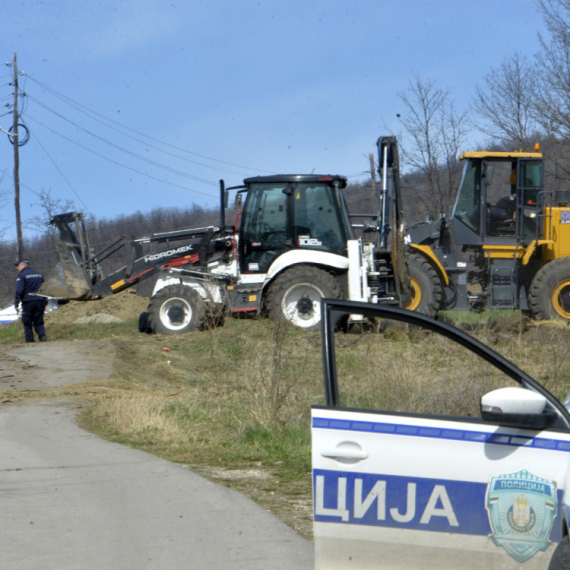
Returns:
(130,153)
(355,175)
(118,163)
(23,185)
(61,173)
(105,122)
(88,111)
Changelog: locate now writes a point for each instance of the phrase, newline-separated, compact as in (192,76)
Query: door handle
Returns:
(346,452)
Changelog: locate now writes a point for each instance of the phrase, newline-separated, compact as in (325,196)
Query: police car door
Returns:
(434,489)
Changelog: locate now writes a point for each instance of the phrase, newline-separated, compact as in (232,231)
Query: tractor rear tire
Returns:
(549,293)
(295,296)
(176,309)
(427,292)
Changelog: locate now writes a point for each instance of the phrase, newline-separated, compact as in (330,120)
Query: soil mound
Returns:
(116,308)
(513,324)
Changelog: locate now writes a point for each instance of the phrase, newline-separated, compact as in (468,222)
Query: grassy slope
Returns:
(234,402)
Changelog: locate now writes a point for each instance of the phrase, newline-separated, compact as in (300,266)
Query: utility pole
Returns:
(15,141)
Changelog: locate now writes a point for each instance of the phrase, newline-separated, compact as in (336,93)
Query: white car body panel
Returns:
(220,268)
(361,263)
(311,257)
(252,278)
(355,285)
(420,497)
(431,492)
(164,280)
(206,290)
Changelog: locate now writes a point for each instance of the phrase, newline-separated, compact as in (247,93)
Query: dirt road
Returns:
(70,500)
(47,365)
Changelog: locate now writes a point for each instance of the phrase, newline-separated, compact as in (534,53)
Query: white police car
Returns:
(402,490)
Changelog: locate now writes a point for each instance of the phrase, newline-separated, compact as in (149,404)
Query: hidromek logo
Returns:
(168,253)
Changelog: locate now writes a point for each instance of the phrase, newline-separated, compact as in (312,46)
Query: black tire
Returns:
(144,326)
(549,293)
(176,309)
(296,294)
(561,557)
(427,292)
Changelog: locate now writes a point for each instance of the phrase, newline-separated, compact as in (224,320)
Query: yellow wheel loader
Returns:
(506,246)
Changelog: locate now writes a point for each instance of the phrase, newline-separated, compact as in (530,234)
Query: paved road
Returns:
(49,364)
(69,500)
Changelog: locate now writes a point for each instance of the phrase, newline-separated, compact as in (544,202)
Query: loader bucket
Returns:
(67,280)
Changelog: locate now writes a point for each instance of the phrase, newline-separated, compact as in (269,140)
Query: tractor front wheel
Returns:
(176,309)
(549,293)
(426,287)
(295,296)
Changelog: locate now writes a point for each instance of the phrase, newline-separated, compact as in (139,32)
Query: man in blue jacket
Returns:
(28,284)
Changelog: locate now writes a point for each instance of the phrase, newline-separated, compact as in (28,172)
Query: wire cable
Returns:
(86,110)
(121,165)
(60,172)
(105,122)
(22,185)
(130,153)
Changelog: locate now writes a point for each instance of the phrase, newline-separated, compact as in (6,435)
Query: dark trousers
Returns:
(33,318)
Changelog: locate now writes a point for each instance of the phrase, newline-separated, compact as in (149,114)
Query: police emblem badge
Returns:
(521,509)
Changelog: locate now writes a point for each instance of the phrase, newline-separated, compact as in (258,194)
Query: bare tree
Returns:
(506,100)
(435,132)
(553,96)
(50,206)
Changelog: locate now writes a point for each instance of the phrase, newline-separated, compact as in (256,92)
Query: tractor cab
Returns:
(289,212)
(499,198)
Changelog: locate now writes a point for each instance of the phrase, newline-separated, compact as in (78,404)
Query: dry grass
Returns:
(416,372)
(238,397)
(149,415)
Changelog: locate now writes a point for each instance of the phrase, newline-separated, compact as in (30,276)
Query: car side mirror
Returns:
(238,202)
(517,407)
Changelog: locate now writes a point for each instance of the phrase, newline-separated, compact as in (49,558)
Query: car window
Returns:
(413,370)
(433,450)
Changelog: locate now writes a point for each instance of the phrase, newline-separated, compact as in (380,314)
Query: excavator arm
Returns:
(78,274)
(391,215)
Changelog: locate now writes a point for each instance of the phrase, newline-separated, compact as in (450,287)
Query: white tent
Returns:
(8,315)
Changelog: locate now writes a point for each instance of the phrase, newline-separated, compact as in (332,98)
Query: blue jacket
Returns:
(29,282)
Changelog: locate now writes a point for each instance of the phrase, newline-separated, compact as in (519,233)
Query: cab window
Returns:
(318,222)
(529,192)
(263,226)
(468,205)
(265,212)
(531,173)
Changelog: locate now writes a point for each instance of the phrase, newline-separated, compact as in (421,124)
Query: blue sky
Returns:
(137,104)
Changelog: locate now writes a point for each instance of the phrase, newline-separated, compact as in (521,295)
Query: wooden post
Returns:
(17,163)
